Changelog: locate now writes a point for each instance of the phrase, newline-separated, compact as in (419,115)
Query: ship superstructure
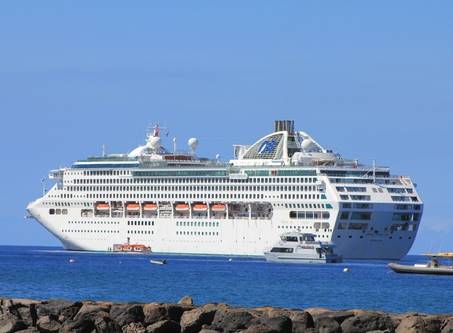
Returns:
(178,203)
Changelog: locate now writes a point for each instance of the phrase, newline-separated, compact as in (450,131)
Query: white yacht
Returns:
(302,248)
(176,202)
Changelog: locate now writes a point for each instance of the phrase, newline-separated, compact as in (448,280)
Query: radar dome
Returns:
(192,143)
(154,142)
(307,144)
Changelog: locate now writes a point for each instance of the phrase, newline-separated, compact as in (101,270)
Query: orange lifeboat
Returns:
(133,206)
(218,207)
(131,248)
(200,207)
(102,206)
(150,206)
(182,207)
(141,248)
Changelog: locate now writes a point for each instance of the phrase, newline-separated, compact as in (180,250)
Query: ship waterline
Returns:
(177,203)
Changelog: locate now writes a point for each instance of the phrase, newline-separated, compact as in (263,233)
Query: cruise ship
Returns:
(176,202)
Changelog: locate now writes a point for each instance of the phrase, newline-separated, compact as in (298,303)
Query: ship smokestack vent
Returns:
(284,125)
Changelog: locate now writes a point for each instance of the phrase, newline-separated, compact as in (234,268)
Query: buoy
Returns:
(231,259)
(345,269)
(71,260)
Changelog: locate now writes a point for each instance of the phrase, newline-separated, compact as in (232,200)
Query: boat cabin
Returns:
(297,237)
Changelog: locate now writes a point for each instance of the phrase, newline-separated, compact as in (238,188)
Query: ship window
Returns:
(344,216)
(51,211)
(361,216)
(282,249)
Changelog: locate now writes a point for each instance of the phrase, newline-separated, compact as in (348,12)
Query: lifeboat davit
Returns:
(150,206)
(102,206)
(218,208)
(182,207)
(133,206)
(200,207)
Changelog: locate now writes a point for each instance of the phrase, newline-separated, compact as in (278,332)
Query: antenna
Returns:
(43,184)
(174,145)
(103,150)
(374,171)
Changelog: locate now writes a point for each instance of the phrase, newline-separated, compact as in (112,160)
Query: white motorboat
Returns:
(297,247)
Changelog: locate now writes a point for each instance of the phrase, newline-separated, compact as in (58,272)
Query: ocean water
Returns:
(42,273)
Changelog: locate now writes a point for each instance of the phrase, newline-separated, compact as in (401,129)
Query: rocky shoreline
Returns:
(52,316)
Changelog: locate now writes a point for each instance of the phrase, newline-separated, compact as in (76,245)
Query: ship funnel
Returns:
(284,125)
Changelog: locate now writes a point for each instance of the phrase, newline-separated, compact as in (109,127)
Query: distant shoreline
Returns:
(88,316)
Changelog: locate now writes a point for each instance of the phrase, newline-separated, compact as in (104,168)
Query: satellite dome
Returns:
(154,142)
(307,144)
(192,143)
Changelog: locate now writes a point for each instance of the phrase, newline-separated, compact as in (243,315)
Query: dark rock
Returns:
(259,328)
(104,324)
(327,325)
(164,326)
(70,311)
(84,321)
(48,324)
(28,314)
(134,328)
(230,320)
(24,309)
(447,325)
(186,300)
(5,305)
(90,308)
(10,323)
(271,312)
(155,312)
(57,309)
(368,322)
(52,307)
(419,323)
(281,324)
(126,314)
(339,316)
(29,330)
(302,321)
(315,312)
(192,320)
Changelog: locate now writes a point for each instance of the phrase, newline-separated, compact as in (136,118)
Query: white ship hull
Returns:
(230,237)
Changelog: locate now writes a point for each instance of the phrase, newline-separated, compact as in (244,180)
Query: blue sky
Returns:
(370,79)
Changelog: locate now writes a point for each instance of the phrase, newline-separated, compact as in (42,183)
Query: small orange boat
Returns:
(102,206)
(200,207)
(133,206)
(218,207)
(182,207)
(149,206)
(134,248)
